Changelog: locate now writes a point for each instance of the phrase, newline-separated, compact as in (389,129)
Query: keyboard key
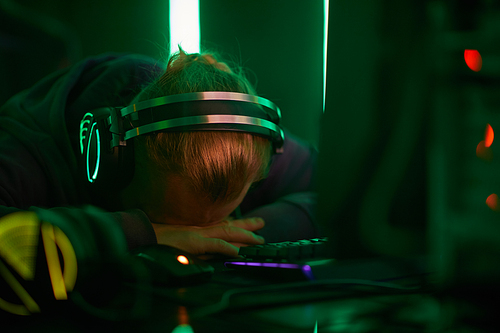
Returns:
(269,252)
(248,251)
(286,251)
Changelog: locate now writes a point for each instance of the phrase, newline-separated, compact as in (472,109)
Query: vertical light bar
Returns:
(185,25)
(325,47)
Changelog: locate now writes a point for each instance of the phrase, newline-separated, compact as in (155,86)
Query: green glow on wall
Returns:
(326,4)
(185,25)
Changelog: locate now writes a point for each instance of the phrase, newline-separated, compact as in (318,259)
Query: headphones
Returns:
(106,133)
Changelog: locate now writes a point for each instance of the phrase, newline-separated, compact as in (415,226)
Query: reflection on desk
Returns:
(232,302)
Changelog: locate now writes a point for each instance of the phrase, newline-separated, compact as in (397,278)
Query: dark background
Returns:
(279,42)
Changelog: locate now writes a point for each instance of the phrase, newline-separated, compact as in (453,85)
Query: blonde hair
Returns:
(216,164)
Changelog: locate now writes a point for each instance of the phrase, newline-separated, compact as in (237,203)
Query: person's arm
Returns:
(39,147)
(286,199)
(225,237)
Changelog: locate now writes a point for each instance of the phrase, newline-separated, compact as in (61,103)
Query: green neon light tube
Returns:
(325,47)
(185,25)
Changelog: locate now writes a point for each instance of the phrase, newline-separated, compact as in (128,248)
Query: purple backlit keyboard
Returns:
(285,261)
(305,249)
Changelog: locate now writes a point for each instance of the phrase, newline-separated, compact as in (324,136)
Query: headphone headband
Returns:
(201,96)
(199,111)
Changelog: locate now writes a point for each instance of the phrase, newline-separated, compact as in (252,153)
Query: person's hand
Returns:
(222,238)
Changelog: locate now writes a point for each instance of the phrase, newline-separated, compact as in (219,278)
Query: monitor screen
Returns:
(372,173)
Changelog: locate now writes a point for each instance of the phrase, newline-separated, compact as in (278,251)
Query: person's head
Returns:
(196,177)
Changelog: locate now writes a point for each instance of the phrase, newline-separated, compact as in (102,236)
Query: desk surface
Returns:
(260,306)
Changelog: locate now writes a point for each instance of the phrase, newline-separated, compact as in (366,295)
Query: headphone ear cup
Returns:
(105,167)
(110,168)
(93,153)
(94,135)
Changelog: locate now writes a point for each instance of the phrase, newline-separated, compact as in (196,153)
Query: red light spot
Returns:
(492,202)
(182,317)
(488,135)
(483,152)
(183,260)
(473,60)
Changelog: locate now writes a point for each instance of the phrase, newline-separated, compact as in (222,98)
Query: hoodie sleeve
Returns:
(286,199)
(39,143)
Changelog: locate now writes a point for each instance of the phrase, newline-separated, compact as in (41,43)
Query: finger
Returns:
(239,244)
(233,234)
(250,224)
(216,245)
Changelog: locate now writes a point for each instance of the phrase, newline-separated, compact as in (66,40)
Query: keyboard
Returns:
(309,259)
(305,249)
(285,261)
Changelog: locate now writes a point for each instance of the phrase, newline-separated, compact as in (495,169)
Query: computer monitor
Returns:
(372,173)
